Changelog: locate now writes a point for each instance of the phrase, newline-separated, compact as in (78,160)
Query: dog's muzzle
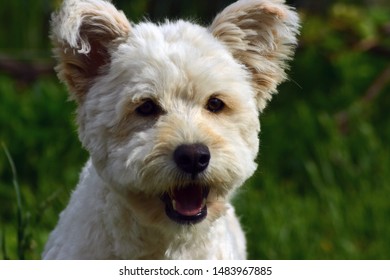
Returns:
(187,204)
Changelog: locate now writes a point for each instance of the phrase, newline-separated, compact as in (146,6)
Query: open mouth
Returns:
(186,205)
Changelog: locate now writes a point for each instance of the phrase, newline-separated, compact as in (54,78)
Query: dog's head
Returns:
(170,112)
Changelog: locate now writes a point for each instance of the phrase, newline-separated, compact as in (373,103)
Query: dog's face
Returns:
(178,120)
(170,113)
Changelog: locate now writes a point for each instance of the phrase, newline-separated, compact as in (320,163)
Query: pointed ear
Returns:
(261,34)
(84,33)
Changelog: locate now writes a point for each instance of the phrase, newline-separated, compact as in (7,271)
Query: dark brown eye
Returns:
(148,108)
(215,105)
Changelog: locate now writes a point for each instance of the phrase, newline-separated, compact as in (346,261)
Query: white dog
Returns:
(169,114)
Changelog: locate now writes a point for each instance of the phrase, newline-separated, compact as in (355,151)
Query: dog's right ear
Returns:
(84,32)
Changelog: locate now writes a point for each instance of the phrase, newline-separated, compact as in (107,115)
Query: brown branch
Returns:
(26,71)
(342,117)
(377,86)
(372,47)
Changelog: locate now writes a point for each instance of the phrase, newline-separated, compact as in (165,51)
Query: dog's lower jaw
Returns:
(98,224)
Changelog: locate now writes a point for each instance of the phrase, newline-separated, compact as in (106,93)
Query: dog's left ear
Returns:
(261,34)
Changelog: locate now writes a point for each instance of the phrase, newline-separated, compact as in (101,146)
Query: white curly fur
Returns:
(111,67)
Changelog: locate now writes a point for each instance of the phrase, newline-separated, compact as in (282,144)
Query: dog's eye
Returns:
(148,108)
(215,105)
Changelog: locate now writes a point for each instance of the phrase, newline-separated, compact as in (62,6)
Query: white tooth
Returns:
(174,204)
(203,202)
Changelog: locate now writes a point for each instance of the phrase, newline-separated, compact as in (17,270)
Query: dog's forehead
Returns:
(178,57)
(176,37)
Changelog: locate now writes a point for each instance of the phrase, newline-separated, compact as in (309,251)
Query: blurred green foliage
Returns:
(322,188)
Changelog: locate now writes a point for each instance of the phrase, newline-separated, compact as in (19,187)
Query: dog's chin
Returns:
(186,204)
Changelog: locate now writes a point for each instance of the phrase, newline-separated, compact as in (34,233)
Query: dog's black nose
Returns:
(192,158)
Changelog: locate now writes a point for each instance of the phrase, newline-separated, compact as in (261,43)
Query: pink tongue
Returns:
(188,200)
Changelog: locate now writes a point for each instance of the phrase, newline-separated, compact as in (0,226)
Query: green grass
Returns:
(319,192)
(42,148)
(334,204)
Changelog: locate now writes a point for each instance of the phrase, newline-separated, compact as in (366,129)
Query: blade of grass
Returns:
(20,223)
(3,247)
